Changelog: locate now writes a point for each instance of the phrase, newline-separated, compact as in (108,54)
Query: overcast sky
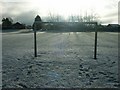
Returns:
(25,11)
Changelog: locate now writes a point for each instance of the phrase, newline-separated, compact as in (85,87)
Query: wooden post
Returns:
(35,44)
(36,26)
(95,48)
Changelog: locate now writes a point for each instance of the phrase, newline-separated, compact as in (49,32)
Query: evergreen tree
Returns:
(6,23)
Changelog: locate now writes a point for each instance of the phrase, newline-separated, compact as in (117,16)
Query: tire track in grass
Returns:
(84,44)
(108,44)
(46,35)
(61,45)
(106,39)
(70,64)
(47,43)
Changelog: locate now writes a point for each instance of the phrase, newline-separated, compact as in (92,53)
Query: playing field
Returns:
(64,60)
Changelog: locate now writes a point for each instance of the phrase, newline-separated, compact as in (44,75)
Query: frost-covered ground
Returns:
(64,60)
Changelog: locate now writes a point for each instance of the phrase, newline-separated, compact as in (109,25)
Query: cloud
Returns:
(25,10)
(15,8)
(111,14)
(26,17)
(119,12)
(18,11)
(15,0)
(107,20)
(112,4)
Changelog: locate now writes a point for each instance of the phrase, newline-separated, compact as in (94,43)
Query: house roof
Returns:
(113,25)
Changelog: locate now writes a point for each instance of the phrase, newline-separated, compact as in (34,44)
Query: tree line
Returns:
(7,23)
(72,18)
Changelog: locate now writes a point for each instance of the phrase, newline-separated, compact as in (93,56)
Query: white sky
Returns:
(107,10)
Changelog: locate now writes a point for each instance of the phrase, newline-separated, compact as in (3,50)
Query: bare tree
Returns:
(79,18)
(54,18)
(90,17)
(86,18)
(72,18)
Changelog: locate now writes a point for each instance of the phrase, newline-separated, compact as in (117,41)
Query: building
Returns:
(113,25)
(17,25)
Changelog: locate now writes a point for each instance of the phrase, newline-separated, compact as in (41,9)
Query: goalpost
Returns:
(36,27)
